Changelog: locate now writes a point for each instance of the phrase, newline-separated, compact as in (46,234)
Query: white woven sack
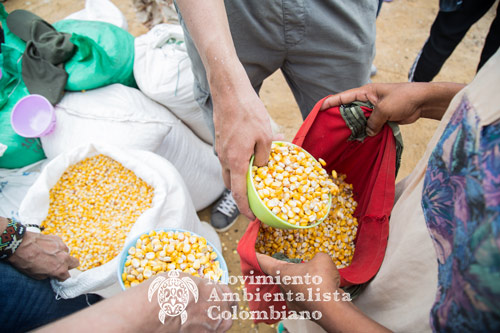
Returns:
(162,70)
(124,117)
(171,207)
(101,10)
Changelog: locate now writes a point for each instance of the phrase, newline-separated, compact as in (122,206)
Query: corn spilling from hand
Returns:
(293,185)
(93,206)
(164,251)
(334,236)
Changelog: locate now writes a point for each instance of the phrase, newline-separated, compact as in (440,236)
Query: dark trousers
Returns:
(2,39)
(26,303)
(447,31)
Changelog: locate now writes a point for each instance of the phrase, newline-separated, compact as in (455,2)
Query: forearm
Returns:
(435,97)
(129,311)
(214,44)
(343,316)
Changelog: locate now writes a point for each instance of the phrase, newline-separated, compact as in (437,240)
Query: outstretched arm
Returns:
(337,315)
(242,124)
(131,311)
(403,103)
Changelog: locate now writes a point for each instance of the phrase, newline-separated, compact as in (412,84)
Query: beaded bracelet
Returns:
(11,238)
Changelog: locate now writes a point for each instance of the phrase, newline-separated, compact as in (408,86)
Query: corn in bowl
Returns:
(293,186)
(93,206)
(334,236)
(164,250)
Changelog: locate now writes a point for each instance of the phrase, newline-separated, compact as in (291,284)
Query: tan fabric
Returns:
(401,295)
(153,12)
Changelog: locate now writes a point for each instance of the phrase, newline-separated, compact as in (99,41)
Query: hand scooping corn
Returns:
(293,185)
(163,251)
(335,235)
(93,207)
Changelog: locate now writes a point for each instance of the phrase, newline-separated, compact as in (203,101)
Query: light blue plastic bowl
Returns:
(123,255)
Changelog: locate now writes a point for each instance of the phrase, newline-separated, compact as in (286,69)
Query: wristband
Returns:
(11,238)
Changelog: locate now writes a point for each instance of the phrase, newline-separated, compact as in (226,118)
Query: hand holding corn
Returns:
(334,236)
(336,315)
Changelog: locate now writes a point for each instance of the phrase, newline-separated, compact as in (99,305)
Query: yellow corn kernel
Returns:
(193,255)
(335,235)
(93,206)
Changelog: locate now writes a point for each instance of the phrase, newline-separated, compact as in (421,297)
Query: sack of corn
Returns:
(355,232)
(96,198)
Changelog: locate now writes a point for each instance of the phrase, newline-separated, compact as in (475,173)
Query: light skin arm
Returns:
(403,103)
(337,316)
(41,256)
(131,311)
(242,124)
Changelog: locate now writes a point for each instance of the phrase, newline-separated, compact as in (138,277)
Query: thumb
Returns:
(269,265)
(375,122)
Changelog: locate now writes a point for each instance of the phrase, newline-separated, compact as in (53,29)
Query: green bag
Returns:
(104,56)
(20,151)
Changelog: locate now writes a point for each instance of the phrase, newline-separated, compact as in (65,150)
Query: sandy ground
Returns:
(402,28)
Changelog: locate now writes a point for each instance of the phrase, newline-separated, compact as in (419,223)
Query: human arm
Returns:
(403,103)
(336,315)
(131,311)
(41,256)
(242,124)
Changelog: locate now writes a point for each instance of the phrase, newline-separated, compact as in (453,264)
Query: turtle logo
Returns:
(173,295)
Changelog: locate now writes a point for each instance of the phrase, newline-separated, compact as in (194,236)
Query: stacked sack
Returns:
(124,117)
(104,113)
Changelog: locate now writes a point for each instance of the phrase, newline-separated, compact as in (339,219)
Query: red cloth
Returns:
(370,166)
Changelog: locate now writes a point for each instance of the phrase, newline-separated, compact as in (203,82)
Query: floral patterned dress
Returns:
(461,204)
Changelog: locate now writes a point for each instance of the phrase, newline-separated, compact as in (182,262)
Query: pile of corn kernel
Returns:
(293,185)
(93,206)
(335,235)
(163,251)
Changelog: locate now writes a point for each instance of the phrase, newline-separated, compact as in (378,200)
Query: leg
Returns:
(334,54)
(447,31)
(28,303)
(492,42)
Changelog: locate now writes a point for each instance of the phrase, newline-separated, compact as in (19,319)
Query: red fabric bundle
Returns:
(370,166)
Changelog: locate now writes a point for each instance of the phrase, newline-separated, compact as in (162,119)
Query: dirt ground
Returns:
(402,28)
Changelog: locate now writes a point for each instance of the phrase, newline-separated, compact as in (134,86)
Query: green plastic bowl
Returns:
(263,213)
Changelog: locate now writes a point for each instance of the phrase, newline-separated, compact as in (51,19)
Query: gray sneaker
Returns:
(224,212)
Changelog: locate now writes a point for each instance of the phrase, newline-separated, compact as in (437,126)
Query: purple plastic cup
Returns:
(33,116)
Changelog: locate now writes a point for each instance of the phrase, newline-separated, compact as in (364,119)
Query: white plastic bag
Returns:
(14,184)
(101,10)
(162,70)
(171,207)
(125,117)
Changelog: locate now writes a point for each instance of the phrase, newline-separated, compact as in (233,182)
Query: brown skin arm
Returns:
(41,256)
(337,315)
(403,103)
(131,311)
(242,123)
